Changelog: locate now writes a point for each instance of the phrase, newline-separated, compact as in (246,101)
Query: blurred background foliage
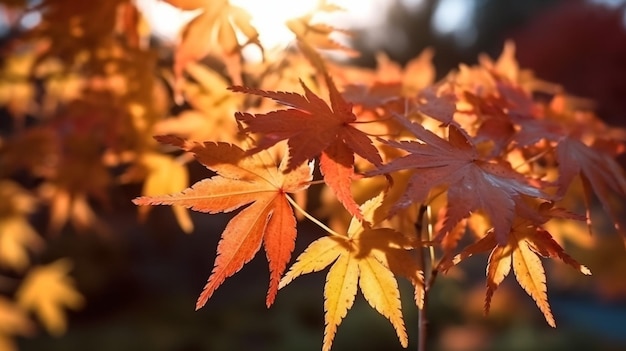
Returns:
(84,86)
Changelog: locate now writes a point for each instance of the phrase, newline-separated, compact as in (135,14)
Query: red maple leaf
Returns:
(600,174)
(311,128)
(472,184)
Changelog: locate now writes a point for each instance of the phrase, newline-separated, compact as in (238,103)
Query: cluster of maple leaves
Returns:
(477,138)
(493,153)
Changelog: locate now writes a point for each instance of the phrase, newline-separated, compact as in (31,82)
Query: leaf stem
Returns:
(425,213)
(310,217)
(534,158)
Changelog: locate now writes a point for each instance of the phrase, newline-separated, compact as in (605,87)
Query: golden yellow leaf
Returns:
(366,257)
(212,116)
(165,176)
(47,291)
(532,277)
(16,237)
(498,267)
(13,320)
(65,206)
(339,293)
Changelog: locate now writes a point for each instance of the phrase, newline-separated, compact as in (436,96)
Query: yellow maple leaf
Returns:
(16,236)
(47,291)
(365,257)
(13,320)
(213,107)
(165,175)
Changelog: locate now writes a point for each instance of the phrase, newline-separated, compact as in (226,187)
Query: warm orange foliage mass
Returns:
(494,166)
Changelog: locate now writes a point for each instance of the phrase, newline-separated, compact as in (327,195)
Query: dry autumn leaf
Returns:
(242,180)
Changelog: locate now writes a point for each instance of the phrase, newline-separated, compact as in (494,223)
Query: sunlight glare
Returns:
(269,17)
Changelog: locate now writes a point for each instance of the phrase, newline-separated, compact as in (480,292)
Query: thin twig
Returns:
(422,320)
(310,217)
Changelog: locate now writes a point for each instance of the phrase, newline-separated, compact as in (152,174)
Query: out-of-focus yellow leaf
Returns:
(212,116)
(165,176)
(15,199)
(13,321)
(16,236)
(74,208)
(48,291)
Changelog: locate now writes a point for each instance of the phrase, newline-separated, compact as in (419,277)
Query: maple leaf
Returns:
(526,242)
(47,290)
(389,84)
(213,107)
(315,35)
(165,175)
(599,172)
(365,257)
(473,184)
(216,25)
(438,102)
(312,127)
(13,321)
(17,235)
(242,180)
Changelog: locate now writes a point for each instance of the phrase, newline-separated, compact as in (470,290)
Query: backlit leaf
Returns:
(242,180)
(367,258)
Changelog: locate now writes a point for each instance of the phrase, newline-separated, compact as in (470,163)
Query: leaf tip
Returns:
(141,200)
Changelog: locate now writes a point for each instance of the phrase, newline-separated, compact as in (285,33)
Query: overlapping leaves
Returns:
(473,184)
(314,128)
(368,258)
(242,180)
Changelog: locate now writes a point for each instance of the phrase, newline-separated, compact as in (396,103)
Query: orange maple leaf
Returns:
(367,257)
(312,127)
(242,180)
(527,241)
(217,26)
